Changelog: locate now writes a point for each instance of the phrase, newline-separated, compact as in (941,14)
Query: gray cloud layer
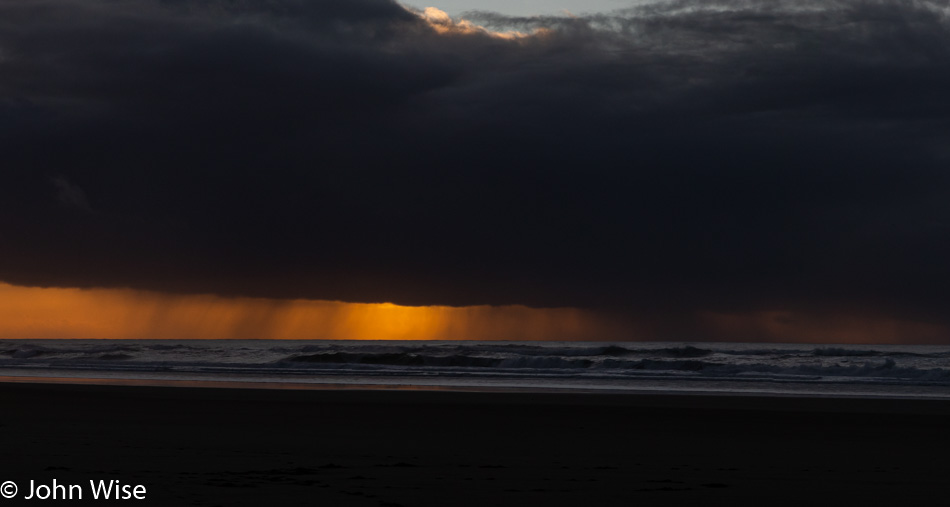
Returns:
(732,155)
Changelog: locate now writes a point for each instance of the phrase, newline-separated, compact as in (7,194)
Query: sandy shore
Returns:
(202,446)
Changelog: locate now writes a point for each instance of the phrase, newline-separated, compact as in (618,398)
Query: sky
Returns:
(457,8)
(674,170)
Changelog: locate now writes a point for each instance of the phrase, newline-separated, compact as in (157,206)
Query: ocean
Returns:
(902,371)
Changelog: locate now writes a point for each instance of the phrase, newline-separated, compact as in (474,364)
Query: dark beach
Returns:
(208,446)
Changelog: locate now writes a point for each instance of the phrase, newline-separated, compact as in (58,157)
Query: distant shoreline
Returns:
(686,397)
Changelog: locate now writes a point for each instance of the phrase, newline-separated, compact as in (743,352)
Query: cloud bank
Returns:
(661,161)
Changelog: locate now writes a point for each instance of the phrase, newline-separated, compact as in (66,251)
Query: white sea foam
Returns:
(614,365)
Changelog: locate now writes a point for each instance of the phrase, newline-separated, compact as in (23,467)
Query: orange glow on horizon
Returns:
(789,327)
(64,313)
(43,313)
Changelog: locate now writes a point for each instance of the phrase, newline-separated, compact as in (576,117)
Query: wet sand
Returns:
(232,447)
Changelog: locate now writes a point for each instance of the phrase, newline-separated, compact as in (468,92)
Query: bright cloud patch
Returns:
(442,23)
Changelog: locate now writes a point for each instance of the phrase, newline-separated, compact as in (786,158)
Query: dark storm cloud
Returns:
(70,195)
(723,156)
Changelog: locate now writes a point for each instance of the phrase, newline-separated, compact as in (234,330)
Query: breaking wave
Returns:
(886,364)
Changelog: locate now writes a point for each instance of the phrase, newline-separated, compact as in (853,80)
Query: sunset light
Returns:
(30,312)
(442,23)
